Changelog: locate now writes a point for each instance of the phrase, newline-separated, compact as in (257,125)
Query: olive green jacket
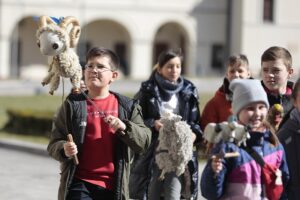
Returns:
(72,118)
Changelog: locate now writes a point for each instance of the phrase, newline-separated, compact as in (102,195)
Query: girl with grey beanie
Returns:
(240,177)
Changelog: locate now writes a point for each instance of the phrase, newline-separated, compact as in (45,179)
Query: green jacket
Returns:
(72,118)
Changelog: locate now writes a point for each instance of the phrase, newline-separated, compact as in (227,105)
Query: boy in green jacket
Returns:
(107,129)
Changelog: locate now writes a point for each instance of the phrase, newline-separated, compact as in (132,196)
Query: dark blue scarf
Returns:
(167,88)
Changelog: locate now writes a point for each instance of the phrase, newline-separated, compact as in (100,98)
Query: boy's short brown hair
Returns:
(275,53)
(238,59)
(101,51)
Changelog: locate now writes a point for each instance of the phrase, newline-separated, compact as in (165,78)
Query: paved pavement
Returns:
(33,175)
(27,176)
(23,146)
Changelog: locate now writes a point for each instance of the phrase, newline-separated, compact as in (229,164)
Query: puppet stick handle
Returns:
(122,132)
(75,158)
(227,155)
(232,154)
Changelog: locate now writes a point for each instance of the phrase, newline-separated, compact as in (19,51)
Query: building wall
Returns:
(201,24)
(211,29)
(258,35)
(135,22)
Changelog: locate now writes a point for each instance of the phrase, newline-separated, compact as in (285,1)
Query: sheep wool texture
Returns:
(175,146)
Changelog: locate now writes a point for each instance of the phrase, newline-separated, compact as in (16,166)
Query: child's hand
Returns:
(83,85)
(115,123)
(216,164)
(70,149)
(194,137)
(157,125)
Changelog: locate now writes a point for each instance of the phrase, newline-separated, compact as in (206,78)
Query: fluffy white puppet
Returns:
(228,131)
(57,41)
(175,146)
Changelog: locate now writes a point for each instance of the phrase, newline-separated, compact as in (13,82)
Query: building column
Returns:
(5,57)
(191,58)
(141,59)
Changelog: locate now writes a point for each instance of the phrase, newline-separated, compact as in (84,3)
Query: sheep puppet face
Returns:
(50,43)
(57,41)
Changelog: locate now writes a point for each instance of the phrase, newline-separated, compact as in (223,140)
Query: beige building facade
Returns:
(207,31)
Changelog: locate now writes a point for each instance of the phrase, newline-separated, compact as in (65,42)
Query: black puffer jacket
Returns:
(284,99)
(289,136)
(150,101)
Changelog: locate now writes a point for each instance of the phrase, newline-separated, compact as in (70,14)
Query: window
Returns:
(82,48)
(268,10)
(158,48)
(121,51)
(217,56)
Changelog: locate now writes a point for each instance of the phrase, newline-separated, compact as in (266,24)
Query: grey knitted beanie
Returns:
(245,92)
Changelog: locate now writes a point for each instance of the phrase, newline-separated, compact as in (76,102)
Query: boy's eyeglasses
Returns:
(100,68)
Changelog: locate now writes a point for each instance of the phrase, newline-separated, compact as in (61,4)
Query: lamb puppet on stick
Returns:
(58,41)
(175,146)
(228,131)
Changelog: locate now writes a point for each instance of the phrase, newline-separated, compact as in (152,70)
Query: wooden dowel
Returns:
(75,158)
(227,155)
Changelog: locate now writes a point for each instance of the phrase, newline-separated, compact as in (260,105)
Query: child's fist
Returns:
(115,123)
(216,164)
(70,149)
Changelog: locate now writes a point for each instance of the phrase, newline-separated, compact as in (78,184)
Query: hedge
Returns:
(28,121)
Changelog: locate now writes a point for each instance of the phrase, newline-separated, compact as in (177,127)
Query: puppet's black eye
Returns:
(55,46)
(39,44)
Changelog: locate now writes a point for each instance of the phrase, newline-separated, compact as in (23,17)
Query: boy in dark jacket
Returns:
(276,70)
(106,128)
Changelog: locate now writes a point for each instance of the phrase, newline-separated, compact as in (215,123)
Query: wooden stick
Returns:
(75,158)
(227,155)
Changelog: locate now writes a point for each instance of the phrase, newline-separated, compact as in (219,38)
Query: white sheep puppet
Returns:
(57,41)
(228,131)
(175,146)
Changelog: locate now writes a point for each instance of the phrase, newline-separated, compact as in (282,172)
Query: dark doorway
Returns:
(121,51)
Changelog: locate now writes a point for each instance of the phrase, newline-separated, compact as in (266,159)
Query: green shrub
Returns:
(28,121)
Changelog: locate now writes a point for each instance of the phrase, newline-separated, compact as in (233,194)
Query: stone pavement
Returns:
(24,146)
(40,150)
(27,176)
